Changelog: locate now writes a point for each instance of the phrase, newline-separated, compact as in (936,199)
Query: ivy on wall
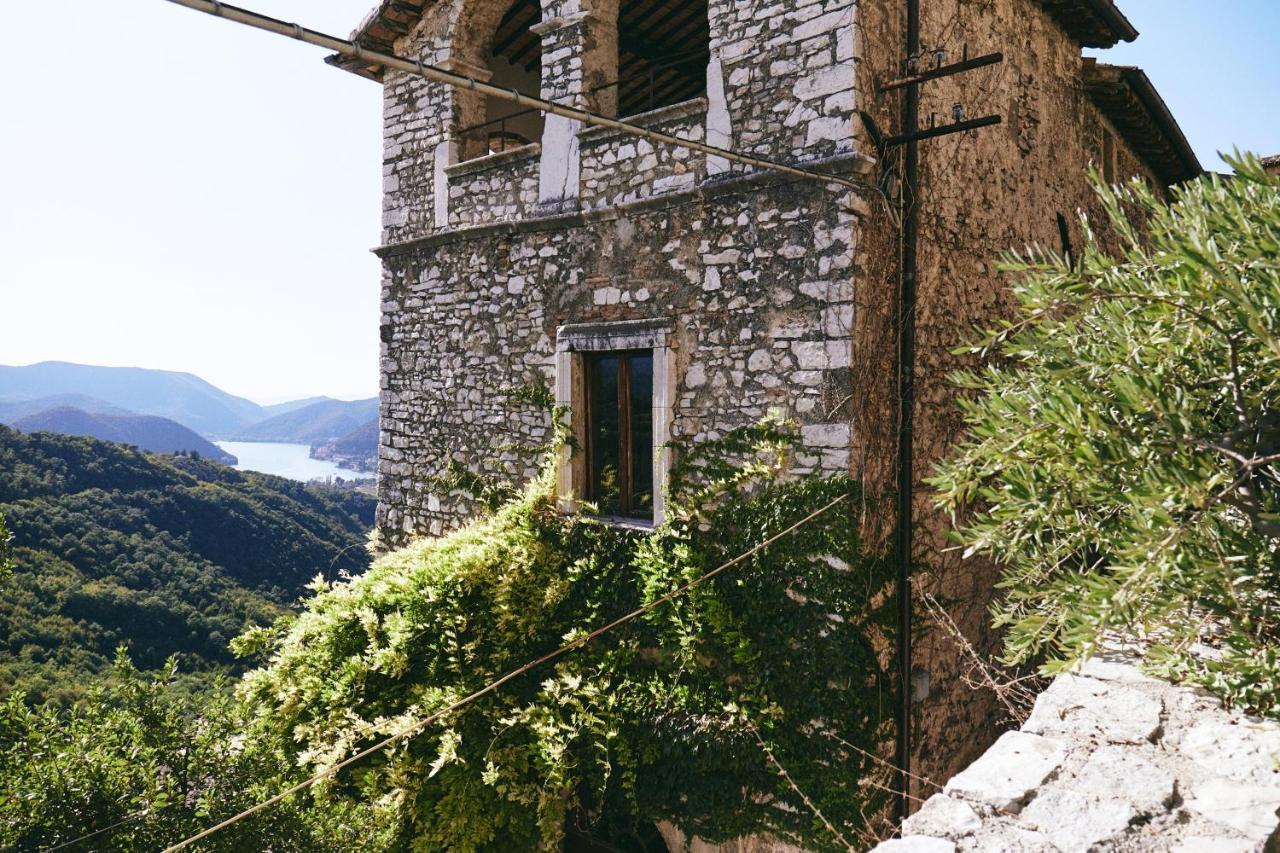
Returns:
(722,712)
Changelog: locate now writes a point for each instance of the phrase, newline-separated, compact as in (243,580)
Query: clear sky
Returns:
(1217,65)
(183,193)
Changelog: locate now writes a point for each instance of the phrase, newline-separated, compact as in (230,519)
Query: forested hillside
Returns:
(170,555)
(148,432)
(357,449)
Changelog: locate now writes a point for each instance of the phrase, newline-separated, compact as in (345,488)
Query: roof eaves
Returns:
(1092,23)
(385,23)
(1126,95)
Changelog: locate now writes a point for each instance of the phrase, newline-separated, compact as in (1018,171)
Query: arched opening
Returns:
(510,55)
(663,47)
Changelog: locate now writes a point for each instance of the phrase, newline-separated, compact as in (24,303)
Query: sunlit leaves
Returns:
(1118,460)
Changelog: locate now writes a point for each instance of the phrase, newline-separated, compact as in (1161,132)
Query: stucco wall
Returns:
(981,193)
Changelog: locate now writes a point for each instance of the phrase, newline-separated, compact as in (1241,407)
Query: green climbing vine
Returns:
(685,715)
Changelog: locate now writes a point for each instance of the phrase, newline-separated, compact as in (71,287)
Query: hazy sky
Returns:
(179,192)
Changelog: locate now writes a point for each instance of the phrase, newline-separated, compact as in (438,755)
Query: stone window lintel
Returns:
(617,335)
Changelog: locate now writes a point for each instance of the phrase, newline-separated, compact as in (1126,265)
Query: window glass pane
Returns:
(603,433)
(641,436)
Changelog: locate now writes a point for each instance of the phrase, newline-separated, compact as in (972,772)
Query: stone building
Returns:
(669,296)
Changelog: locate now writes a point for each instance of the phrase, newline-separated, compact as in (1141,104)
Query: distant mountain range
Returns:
(147,432)
(317,423)
(180,397)
(41,397)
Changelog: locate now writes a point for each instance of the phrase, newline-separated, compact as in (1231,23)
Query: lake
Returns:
(285,460)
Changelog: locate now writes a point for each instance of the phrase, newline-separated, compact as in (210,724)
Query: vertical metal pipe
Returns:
(906,404)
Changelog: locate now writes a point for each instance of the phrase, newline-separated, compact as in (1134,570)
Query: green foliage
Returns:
(170,555)
(154,767)
(6,555)
(657,719)
(1124,449)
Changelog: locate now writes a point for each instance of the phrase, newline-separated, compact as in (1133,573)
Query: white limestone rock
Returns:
(1237,749)
(1005,776)
(943,817)
(1075,822)
(1114,772)
(1249,809)
(1081,706)
(915,844)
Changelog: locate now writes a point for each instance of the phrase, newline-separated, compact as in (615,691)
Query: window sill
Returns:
(639,525)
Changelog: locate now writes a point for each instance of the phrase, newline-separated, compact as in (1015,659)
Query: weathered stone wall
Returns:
(753,276)
(498,188)
(788,70)
(619,168)
(753,279)
(981,193)
(1111,759)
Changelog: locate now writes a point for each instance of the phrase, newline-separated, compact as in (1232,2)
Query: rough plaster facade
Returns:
(767,293)
(981,193)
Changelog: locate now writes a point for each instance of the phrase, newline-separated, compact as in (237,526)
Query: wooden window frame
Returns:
(575,343)
(626,436)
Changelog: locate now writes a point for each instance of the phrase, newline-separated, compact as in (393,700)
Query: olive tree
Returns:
(1124,448)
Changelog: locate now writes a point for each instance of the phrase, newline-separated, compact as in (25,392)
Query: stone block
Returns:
(825,435)
(942,817)
(1248,809)
(1080,706)
(1237,749)
(1114,772)
(1213,844)
(1007,773)
(1075,822)
(915,844)
(1111,667)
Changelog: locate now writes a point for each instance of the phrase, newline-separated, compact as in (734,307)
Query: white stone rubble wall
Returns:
(1112,760)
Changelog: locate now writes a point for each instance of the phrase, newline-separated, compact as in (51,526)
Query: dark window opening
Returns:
(514,59)
(1108,157)
(619,433)
(662,53)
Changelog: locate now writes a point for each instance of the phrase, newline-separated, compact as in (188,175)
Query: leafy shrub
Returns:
(666,717)
(169,555)
(1124,448)
(151,766)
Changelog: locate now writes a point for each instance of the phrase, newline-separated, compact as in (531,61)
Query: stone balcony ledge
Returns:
(694,107)
(489,162)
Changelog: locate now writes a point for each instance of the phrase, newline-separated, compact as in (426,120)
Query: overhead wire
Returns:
(355,51)
(351,49)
